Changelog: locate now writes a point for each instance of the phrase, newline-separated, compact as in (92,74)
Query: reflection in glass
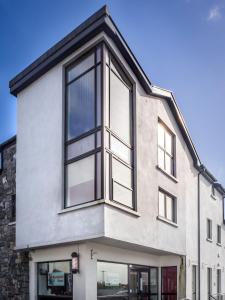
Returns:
(81,103)
(120,108)
(112,280)
(81,67)
(80,181)
(80,147)
(54,279)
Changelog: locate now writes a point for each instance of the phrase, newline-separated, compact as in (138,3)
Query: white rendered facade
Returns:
(105,230)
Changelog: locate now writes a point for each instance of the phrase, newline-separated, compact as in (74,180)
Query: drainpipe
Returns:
(201,169)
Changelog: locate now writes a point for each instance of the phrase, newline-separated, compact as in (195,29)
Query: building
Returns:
(14,265)
(106,169)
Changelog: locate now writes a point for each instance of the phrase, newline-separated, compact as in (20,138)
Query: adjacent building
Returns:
(14,265)
(106,169)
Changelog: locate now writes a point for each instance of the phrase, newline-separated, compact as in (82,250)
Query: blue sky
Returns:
(179,43)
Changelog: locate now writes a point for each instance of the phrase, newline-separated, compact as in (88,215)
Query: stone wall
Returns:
(14,265)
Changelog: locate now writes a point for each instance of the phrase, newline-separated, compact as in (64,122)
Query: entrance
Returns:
(169,283)
(143,283)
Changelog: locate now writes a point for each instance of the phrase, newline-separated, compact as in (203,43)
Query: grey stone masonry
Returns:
(14,265)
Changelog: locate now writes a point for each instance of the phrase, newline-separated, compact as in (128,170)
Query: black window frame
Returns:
(173,142)
(209,229)
(98,128)
(219,235)
(140,266)
(128,81)
(174,208)
(52,261)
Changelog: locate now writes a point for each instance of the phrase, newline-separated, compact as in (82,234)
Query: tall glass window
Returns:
(83,130)
(166,149)
(119,137)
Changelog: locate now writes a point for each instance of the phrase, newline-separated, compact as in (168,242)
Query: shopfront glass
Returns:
(122,281)
(54,280)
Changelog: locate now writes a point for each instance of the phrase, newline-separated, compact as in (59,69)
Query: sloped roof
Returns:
(101,21)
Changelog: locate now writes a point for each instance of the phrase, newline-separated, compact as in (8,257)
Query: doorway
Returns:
(143,283)
(169,283)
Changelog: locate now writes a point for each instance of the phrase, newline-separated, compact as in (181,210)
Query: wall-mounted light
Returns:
(75,262)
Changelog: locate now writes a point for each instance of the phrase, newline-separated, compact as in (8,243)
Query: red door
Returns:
(169,283)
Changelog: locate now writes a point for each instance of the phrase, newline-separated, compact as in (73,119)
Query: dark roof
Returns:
(8,142)
(101,21)
(98,22)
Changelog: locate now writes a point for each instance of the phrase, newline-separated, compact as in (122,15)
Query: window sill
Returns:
(122,208)
(11,223)
(81,206)
(167,221)
(219,244)
(214,197)
(209,240)
(98,202)
(167,174)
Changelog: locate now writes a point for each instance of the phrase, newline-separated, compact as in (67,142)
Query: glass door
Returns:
(143,283)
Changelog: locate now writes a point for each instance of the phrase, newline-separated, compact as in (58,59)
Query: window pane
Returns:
(80,181)
(80,147)
(168,164)
(169,208)
(168,142)
(120,111)
(120,149)
(122,194)
(107,175)
(81,103)
(98,54)
(81,67)
(112,280)
(153,280)
(107,97)
(161,135)
(55,278)
(99,92)
(162,204)
(161,158)
(121,173)
(99,139)
(99,177)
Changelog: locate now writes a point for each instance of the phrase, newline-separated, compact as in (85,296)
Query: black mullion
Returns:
(110,178)
(130,166)
(102,106)
(82,74)
(124,186)
(95,84)
(84,155)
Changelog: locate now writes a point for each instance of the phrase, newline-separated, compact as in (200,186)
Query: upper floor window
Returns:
(166,149)
(119,139)
(209,229)
(218,234)
(213,192)
(167,206)
(83,130)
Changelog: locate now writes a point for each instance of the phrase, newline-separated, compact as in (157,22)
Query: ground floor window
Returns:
(54,280)
(123,281)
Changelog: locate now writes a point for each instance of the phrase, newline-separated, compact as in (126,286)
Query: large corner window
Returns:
(166,149)
(119,135)
(83,130)
(99,131)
